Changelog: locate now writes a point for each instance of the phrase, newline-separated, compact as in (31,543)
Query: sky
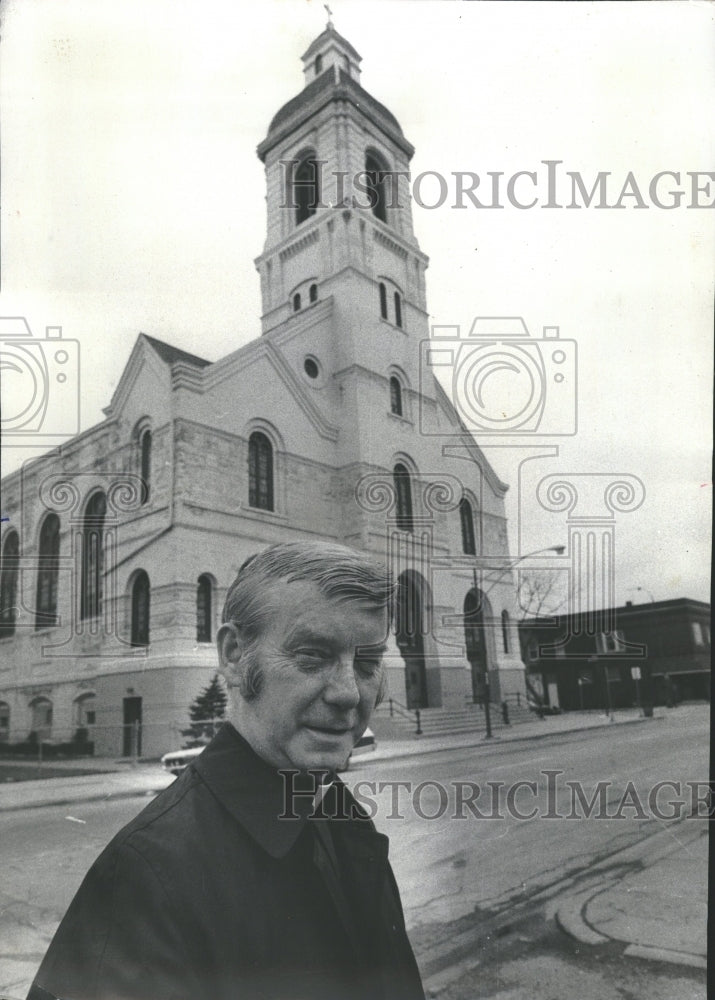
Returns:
(133,201)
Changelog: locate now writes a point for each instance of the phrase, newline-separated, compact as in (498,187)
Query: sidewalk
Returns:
(550,725)
(658,909)
(124,780)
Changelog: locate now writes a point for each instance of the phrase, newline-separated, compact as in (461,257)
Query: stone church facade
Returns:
(119,546)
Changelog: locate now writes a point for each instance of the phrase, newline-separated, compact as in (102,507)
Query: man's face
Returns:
(321,662)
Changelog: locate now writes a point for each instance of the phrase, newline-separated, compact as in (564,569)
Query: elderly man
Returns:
(247,879)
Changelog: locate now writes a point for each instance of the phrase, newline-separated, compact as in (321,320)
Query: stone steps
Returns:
(444,721)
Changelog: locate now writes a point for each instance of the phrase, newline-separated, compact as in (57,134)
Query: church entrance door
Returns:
(475,641)
(410,638)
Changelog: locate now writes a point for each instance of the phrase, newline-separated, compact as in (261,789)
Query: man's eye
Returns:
(318,655)
(368,664)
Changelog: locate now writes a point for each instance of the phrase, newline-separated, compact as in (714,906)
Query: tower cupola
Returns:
(339,214)
(330,51)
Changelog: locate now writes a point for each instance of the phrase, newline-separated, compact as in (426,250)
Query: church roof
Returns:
(170,354)
(323,90)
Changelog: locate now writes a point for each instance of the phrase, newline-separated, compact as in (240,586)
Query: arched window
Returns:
(306,188)
(383,301)
(8,583)
(505,627)
(403,489)
(140,609)
(318,65)
(145,452)
(4,721)
(84,710)
(313,293)
(260,471)
(203,609)
(376,182)
(398,309)
(296,302)
(48,572)
(466,519)
(395,396)
(92,556)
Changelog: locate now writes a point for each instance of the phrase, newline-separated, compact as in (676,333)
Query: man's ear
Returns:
(230,644)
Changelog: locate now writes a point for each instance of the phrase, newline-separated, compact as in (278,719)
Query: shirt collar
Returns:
(255,793)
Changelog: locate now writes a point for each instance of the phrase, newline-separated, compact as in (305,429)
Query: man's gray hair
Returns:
(339,572)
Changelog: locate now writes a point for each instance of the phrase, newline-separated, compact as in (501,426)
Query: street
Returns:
(489,883)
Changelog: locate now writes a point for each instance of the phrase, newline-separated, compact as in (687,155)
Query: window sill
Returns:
(388,322)
(260,514)
(401,418)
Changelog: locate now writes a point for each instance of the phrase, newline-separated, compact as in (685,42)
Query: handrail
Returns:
(413,714)
(515,697)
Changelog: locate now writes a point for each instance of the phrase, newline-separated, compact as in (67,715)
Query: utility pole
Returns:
(487,689)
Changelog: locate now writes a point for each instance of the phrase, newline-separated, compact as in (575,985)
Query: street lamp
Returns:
(647,677)
(559,550)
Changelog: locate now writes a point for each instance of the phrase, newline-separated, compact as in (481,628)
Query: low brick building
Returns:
(655,653)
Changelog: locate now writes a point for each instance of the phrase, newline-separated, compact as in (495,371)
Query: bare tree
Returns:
(541,593)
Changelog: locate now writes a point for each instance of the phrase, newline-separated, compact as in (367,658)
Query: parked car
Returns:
(177,760)
(366,743)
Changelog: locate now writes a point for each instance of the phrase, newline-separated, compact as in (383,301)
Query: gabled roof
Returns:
(170,354)
(166,353)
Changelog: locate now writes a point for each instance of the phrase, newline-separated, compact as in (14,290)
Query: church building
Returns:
(117,548)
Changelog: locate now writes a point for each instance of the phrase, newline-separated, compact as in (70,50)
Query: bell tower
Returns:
(339,217)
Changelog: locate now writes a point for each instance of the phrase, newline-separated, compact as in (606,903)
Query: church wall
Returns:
(327,434)
(212,486)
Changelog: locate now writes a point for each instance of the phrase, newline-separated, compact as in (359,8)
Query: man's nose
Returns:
(342,688)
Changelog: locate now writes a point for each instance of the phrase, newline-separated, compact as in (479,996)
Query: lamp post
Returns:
(648,697)
(645,591)
(559,550)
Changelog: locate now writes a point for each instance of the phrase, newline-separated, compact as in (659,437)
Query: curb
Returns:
(128,793)
(518,739)
(666,955)
(570,919)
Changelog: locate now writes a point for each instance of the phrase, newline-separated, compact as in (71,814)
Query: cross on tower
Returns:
(330,15)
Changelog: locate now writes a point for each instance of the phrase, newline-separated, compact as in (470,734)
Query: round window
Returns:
(310,366)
